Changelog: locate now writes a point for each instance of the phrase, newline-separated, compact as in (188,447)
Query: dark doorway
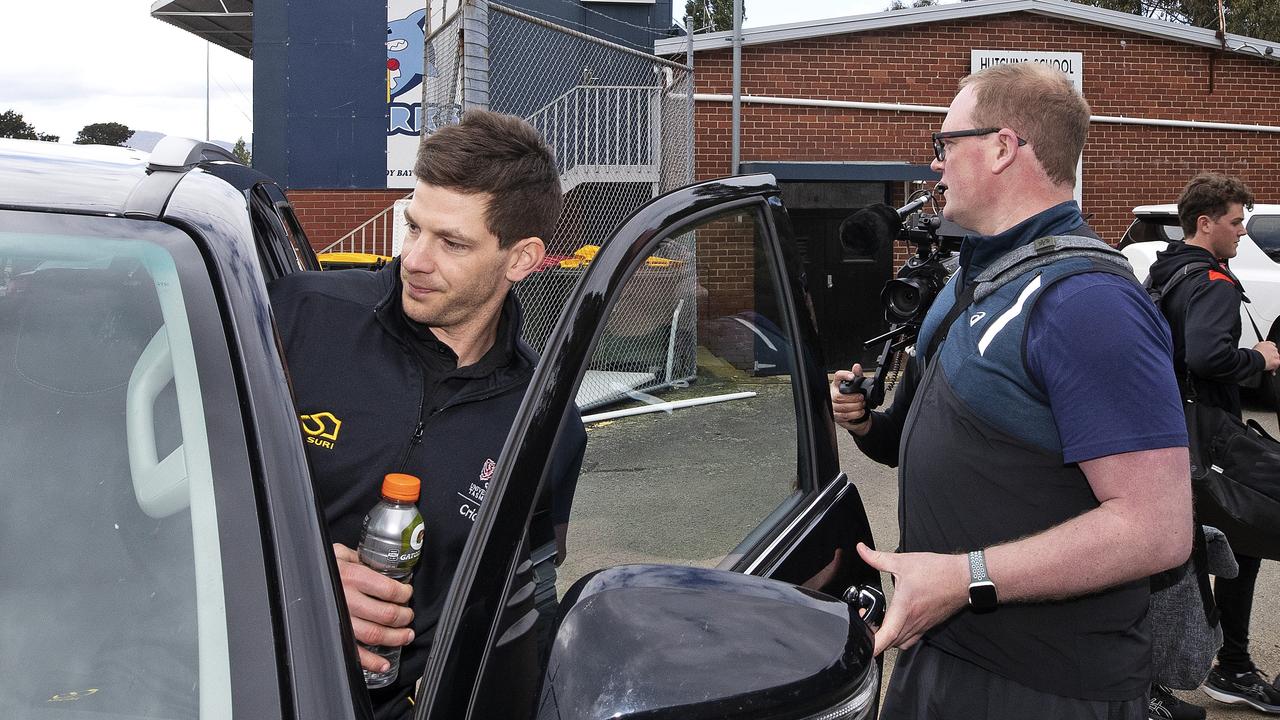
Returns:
(844,286)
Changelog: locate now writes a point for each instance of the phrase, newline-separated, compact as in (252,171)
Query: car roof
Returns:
(77,178)
(96,179)
(1171,209)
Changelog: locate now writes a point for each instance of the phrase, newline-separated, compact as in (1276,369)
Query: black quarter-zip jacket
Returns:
(378,393)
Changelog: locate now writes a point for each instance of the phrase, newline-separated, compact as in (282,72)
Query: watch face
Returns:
(982,596)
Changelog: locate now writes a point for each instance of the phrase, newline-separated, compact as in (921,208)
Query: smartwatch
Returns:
(982,592)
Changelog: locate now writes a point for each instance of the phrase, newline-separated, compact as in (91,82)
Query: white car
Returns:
(1257,262)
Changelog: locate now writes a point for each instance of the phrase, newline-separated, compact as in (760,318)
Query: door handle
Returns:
(868,602)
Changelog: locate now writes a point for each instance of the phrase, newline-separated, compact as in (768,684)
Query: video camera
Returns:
(907,297)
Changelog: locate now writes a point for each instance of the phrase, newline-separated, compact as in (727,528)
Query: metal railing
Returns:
(372,236)
(605,133)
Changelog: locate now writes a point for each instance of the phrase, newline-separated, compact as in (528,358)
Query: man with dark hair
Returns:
(1203,309)
(1039,439)
(419,368)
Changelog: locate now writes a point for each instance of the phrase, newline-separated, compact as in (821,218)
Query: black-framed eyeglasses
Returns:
(940,148)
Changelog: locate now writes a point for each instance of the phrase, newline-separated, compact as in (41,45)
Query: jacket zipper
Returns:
(417,429)
(420,429)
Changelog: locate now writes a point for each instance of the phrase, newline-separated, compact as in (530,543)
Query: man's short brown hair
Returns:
(1041,106)
(503,156)
(1210,194)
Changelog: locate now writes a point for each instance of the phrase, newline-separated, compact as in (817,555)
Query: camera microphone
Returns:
(875,226)
(913,206)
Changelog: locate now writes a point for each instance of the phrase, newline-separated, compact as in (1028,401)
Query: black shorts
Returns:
(928,684)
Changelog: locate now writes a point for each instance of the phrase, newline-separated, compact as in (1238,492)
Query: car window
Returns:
(113,602)
(689,406)
(1265,232)
(276,250)
(1155,228)
(302,250)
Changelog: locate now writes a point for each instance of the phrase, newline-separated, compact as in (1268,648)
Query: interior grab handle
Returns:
(160,486)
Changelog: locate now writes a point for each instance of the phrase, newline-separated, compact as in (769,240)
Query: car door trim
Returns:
(790,535)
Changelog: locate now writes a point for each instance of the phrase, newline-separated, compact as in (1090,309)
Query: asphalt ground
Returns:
(684,487)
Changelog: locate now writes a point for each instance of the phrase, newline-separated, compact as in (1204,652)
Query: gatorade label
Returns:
(411,543)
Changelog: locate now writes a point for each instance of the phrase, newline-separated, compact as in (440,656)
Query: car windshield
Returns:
(112,600)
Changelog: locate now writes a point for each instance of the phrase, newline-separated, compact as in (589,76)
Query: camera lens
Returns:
(905,298)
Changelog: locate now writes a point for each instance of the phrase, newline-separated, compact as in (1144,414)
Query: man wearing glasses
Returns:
(1043,472)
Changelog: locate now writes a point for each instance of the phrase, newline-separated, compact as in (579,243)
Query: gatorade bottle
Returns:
(391,543)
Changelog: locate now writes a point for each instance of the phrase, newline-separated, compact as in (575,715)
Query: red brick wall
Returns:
(1124,74)
(327,215)
(726,272)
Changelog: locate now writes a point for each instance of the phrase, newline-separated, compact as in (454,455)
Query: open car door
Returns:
(690,349)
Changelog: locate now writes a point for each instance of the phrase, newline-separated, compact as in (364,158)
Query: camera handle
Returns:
(872,388)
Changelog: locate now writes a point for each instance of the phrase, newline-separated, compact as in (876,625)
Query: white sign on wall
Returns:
(1069,63)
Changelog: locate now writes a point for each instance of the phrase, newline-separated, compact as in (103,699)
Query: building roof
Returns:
(225,23)
(1061,9)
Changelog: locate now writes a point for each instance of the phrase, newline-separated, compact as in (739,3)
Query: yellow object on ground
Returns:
(345,260)
(585,254)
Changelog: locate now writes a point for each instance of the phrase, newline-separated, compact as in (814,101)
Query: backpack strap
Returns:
(1159,294)
(963,300)
(1024,259)
(1046,251)
(1200,566)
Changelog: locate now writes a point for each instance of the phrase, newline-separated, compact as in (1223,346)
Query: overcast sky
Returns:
(64,65)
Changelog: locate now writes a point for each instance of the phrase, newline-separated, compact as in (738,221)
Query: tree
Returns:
(1254,18)
(13,125)
(241,151)
(108,133)
(711,15)
(902,5)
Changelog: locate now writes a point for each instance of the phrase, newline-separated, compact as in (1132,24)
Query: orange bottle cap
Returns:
(402,487)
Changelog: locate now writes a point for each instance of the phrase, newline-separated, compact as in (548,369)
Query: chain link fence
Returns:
(619,122)
(442,83)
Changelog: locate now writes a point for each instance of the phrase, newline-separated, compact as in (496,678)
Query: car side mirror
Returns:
(662,641)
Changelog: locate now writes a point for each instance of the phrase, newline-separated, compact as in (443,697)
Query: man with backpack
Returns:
(1201,299)
(1040,446)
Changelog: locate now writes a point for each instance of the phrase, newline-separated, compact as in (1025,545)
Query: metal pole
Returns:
(423,112)
(667,406)
(737,86)
(475,56)
(206,90)
(688,60)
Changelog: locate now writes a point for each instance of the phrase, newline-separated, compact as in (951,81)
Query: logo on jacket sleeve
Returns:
(320,429)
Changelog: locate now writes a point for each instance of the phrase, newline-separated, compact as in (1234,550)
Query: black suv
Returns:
(163,553)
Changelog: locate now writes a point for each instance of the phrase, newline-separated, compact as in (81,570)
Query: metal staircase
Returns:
(604,134)
(599,134)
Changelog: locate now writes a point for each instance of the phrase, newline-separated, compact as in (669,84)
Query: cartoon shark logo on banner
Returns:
(404,53)
(405,37)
